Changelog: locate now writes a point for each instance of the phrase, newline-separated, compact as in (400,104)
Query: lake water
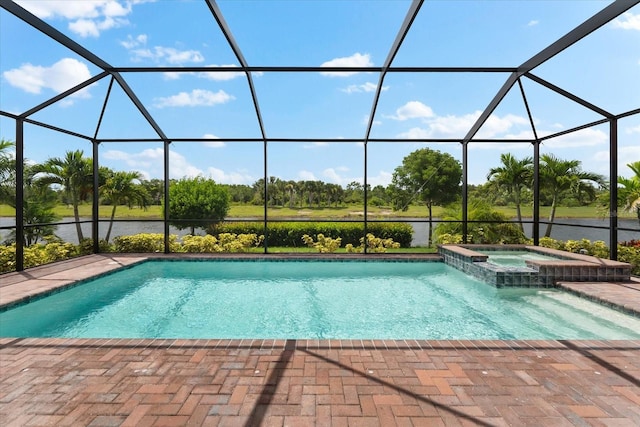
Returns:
(420,235)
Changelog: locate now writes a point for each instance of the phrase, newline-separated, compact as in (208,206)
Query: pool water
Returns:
(515,258)
(312,300)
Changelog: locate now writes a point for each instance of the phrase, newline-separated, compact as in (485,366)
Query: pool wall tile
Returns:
(537,273)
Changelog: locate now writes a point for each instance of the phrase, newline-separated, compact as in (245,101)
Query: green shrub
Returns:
(86,246)
(631,255)
(324,244)
(56,251)
(449,239)
(290,233)
(225,242)
(200,244)
(145,242)
(35,255)
(548,242)
(7,258)
(374,245)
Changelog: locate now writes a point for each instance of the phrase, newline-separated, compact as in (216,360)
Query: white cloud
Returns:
(92,28)
(498,125)
(62,75)
(365,120)
(412,110)
(523,134)
(220,75)
(629,21)
(149,163)
(315,145)
(332,176)
(631,130)
(580,139)
(533,23)
(415,133)
(339,175)
(179,167)
(168,55)
(222,177)
(212,75)
(502,147)
(626,155)
(137,47)
(196,98)
(452,126)
(366,87)
(383,178)
(212,144)
(305,175)
(132,42)
(87,18)
(355,60)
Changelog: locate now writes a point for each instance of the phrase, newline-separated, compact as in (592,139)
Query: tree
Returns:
(290,188)
(38,204)
(240,193)
(121,188)
(354,192)
(75,174)
(487,225)
(558,176)
(273,190)
(155,189)
(428,175)
(629,191)
(514,176)
(7,171)
(197,202)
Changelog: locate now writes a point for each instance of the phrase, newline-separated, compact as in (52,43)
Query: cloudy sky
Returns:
(603,69)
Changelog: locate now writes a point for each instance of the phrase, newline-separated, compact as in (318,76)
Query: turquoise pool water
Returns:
(515,258)
(326,300)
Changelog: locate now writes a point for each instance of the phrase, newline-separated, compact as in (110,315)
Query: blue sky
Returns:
(603,68)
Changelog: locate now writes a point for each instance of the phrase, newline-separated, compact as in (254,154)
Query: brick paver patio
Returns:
(297,382)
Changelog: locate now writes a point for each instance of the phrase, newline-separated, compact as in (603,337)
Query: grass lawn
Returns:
(343,212)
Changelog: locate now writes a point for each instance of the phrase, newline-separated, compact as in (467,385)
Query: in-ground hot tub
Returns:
(531,266)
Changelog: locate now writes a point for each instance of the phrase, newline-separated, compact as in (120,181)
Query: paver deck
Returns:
(298,382)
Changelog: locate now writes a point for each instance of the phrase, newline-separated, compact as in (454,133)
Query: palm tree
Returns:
(290,188)
(38,202)
(74,173)
(558,175)
(629,191)
(7,171)
(120,188)
(514,176)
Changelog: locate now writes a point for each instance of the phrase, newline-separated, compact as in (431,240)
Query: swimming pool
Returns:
(309,299)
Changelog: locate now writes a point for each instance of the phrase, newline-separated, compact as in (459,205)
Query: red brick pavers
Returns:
(326,383)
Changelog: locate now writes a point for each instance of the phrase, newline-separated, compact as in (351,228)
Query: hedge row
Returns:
(289,234)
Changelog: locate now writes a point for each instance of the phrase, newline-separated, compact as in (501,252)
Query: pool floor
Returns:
(274,382)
